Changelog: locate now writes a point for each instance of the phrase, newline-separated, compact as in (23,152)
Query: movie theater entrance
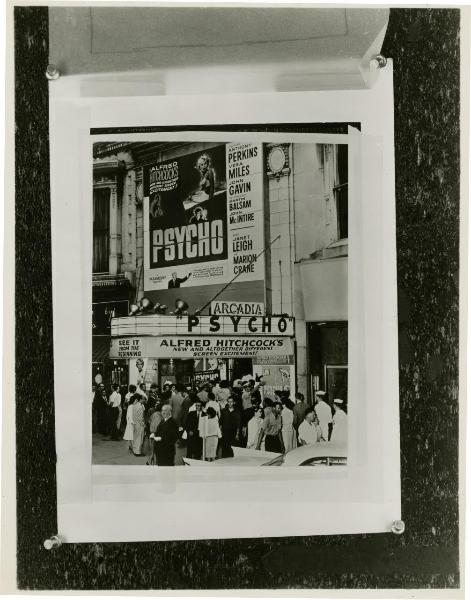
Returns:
(240,367)
(183,349)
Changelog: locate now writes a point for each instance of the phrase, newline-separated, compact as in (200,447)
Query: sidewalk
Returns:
(109,452)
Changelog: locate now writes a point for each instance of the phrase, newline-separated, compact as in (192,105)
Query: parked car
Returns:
(325,454)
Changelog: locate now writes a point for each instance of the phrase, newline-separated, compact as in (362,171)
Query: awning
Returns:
(100,348)
(324,285)
(287,48)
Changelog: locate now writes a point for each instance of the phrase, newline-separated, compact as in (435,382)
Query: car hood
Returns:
(243,457)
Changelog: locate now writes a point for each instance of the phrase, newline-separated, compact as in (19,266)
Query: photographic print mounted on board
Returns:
(220,302)
(233,311)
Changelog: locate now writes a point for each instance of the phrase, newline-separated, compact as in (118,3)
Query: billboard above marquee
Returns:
(203,218)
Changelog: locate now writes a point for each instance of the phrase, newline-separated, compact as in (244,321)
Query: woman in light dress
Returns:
(210,432)
(129,431)
(287,430)
(139,424)
(253,428)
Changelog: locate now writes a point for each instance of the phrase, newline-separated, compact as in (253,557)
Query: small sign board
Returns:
(200,347)
(225,307)
(205,376)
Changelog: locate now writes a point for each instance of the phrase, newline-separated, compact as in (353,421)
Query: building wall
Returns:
(114,290)
(128,226)
(299,203)
(120,178)
(320,283)
(309,200)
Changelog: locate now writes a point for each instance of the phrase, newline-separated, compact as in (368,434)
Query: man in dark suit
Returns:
(230,426)
(165,438)
(175,282)
(194,441)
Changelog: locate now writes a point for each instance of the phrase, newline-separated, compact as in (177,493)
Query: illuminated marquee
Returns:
(161,325)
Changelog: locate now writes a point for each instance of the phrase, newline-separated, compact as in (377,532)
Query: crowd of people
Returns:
(212,417)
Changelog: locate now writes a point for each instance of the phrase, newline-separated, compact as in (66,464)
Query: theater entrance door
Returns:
(240,367)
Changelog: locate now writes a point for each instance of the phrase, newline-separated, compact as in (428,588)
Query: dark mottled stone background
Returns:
(424,44)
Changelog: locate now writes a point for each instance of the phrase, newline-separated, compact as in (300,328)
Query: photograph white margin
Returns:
(90,510)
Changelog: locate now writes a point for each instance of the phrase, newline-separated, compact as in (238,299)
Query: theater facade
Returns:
(221,259)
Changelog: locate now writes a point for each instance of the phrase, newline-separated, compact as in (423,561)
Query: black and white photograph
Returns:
(234,313)
(220,303)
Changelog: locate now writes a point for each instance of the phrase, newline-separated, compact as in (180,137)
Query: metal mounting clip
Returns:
(52,72)
(54,541)
(378,62)
(398,527)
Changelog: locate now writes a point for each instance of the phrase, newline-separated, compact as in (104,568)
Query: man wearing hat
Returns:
(165,437)
(340,423)
(324,413)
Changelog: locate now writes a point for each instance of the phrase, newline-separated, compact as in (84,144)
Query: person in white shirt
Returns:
(129,431)
(287,430)
(324,414)
(308,432)
(115,412)
(340,423)
(253,428)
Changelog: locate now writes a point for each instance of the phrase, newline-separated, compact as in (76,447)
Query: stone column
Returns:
(280,215)
(115,257)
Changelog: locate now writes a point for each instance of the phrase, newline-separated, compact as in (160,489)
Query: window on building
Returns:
(101,230)
(333,159)
(341,191)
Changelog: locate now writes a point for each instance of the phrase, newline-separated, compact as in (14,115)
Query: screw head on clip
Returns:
(52,72)
(53,542)
(398,527)
(378,62)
